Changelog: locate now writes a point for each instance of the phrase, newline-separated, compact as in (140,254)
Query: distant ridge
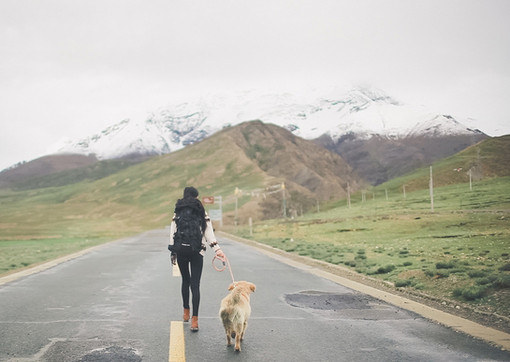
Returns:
(42,166)
(377,135)
(378,159)
(489,158)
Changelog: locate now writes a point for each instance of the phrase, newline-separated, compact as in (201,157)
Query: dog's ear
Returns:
(252,287)
(231,286)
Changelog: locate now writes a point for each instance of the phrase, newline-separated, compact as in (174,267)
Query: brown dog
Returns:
(235,310)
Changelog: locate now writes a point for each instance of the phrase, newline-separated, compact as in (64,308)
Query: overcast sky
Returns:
(71,68)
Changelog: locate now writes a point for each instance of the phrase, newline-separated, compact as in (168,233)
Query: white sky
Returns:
(72,67)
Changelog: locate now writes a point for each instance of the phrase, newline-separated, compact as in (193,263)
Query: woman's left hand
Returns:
(220,254)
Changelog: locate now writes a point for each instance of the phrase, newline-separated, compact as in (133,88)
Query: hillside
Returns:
(61,170)
(378,158)
(251,156)
(486,159)
(43,166)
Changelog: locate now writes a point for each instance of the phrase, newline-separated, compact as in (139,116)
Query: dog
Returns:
(235,310)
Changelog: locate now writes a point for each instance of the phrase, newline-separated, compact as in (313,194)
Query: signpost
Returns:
(214,214)
(208,200)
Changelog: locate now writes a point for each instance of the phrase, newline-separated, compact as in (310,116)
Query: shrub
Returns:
(476,273)
(429,273)
(473,293)
(445,265)
(419,286)
(502,282)
(485,281)
(505,267)
(408,263)
(457,292)
(442,274)
(403,283)
(385,269)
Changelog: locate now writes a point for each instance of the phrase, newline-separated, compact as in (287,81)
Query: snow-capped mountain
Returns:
(363,112)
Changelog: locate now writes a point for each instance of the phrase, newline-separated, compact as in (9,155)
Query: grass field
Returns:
(461,250)
(38,224)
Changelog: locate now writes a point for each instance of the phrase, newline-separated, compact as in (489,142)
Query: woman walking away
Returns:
(190,230)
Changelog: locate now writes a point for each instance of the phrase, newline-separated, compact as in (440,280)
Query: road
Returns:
(117,303)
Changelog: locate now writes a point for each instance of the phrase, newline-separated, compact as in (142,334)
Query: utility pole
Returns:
(284,200)
(348,195)
(431,186)
(221,210)
(236,192)
(470,177)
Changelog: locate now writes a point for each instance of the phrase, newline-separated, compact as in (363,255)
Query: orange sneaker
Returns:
(194,323)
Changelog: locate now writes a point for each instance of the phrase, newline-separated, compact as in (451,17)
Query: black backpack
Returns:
(188,236)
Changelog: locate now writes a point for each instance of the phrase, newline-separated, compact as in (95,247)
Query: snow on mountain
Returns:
(361,111)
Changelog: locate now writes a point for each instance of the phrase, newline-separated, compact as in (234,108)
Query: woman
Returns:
(190,264)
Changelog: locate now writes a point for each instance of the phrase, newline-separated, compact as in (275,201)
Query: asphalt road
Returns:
(117,302)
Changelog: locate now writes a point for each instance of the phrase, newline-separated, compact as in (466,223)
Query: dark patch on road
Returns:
(346,306)
(328,301)
(112,354)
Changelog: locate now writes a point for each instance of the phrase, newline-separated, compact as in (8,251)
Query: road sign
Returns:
(208,200)
(215,214)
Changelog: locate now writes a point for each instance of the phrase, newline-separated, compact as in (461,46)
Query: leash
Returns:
(225,263)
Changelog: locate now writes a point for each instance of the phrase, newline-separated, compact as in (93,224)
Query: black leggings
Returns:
(191,280)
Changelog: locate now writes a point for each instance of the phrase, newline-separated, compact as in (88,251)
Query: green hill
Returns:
(89,205)
(487,159)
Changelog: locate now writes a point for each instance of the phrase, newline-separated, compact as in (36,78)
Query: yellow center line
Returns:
(176,351)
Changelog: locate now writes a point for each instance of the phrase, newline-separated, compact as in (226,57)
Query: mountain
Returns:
(379,158)
(361,111)
(62,169)
(253,157)
(303,165)
(43,166)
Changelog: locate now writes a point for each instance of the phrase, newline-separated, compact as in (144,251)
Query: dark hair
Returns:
(190,192)
(189,199)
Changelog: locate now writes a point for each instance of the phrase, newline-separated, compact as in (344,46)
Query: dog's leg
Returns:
(229,341)
(245,324)
(238,342)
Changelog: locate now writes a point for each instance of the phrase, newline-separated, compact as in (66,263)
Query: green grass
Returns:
(445,253)
(19,254)
(110,200)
